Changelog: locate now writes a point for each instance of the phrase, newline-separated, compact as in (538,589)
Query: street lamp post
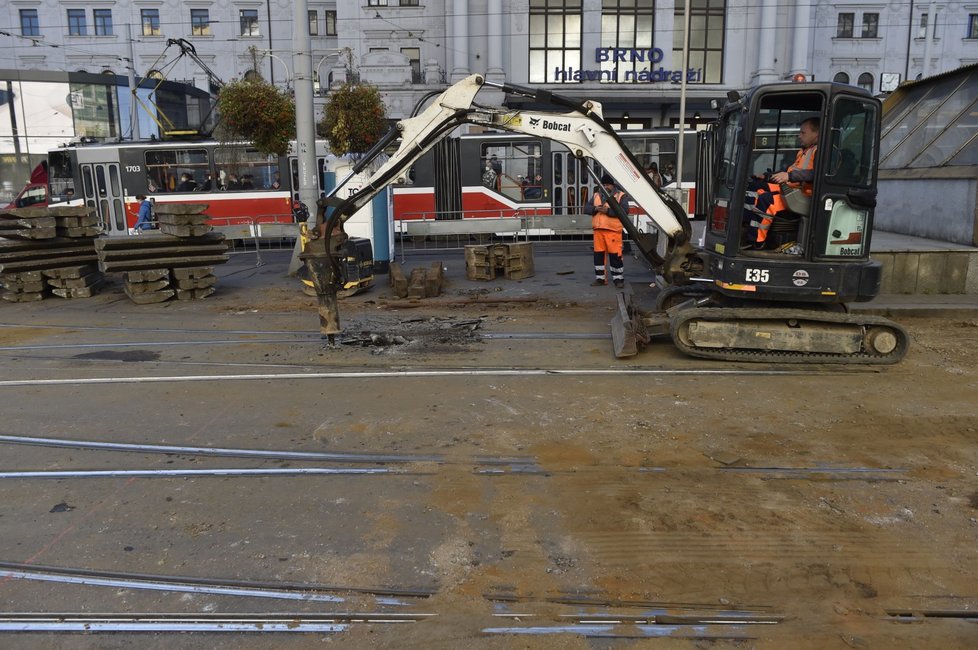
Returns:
(329,53)
(288,75)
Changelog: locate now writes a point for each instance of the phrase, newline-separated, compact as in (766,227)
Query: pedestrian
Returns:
(607,229)
(145,215)
(653,173)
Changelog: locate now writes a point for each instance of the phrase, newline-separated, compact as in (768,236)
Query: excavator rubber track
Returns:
(787,335)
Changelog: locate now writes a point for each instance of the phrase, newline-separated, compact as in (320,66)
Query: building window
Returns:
(151,21)
(922,30)
(313,23)
(76,23)
(29,25)
(871,24)
(414,58)
(865,81)
(376,3)
(103,21)
(972,26)
(707,20)
(200,22)
(846,21)
(841,78)
(627,25)
(555,41)
(249,22)
(331,23)
(408,3)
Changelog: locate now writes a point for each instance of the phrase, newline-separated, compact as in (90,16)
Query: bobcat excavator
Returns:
(729,298)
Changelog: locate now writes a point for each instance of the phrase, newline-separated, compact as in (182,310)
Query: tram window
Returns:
(246,170)
(114,180)
(60,177)
(510,167)
(176,170)
(87,182)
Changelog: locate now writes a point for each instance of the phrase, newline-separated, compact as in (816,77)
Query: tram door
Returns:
(571,184)
(103,194)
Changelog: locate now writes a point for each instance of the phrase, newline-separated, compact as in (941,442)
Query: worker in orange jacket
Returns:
(607,230)
(801,174)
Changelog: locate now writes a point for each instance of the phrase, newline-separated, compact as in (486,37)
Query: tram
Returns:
(239,184)
(500,175)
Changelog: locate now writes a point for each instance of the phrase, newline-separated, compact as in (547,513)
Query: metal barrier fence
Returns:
(269,232)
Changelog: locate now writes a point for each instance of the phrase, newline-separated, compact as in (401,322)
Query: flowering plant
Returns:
(257,111)
(354,119)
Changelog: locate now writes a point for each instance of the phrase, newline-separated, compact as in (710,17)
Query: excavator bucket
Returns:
(627,329)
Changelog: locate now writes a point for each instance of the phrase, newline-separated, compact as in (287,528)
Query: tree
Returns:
(354,119)
(255,110)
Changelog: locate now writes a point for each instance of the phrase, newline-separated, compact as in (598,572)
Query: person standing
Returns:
(145,216)
(607,229)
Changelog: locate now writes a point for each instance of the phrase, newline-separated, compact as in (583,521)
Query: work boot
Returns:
(619,284)
(599,283)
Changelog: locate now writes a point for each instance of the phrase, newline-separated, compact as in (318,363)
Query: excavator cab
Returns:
(816,247)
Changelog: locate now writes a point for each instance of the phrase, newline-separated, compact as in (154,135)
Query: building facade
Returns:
(625,53)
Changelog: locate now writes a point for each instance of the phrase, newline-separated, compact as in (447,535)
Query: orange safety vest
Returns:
(804,160)
(602,221)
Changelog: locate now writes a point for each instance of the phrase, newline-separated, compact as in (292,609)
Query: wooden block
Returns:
(182,219)
(399,283)
(151,297)
(80,292)
(8,223)
(146,287)
(26,276)
(23,296)
(194,294)
(70,271)
(77,222)
(192,272)
(32,233)
(416,285)
(180,208)
(433,280)
(76,283)
(147,275)
(23,287)
(196,283)
(185,231)
(80,231)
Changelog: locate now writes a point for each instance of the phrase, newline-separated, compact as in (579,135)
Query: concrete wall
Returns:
(934,208)
(929,272)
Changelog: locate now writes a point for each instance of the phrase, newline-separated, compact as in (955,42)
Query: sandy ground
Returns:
(532,480)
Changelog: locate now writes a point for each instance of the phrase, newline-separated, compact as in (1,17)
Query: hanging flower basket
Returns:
(354,119)
(256,110)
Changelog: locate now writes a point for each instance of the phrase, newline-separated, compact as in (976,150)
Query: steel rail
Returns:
(178,587)
(272,454)
(407,374)
(224,471)
(211,582)
(294,623)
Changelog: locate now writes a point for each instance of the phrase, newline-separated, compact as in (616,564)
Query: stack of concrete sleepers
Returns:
(158,267)
(49,251)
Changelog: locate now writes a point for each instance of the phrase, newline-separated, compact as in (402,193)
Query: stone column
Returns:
(800,37)
(766,72)
(460,40)
(495,71)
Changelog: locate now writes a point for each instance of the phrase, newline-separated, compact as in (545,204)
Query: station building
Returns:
(627,54)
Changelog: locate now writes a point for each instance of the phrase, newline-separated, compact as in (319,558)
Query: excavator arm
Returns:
(582,129)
